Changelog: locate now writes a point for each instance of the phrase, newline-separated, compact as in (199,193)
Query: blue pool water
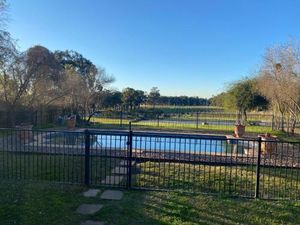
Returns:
(158,144)
(153,144)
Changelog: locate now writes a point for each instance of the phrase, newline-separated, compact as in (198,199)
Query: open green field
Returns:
(221,117)
(35,203)
(169,109)
(162,125)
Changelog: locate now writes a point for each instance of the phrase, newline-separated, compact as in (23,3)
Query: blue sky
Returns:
(183,47)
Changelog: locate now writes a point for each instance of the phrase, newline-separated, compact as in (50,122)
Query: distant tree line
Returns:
(131,99)
(183,101)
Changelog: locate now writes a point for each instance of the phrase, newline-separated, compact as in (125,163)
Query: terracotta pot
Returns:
(239,130)
(24,131)
(71,123)
(268,144)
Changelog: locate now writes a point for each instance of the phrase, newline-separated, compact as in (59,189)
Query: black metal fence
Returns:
(157,161)
(185,121)
(37,118)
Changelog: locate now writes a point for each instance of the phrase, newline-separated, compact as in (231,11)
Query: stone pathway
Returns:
(112,195)
(88,209)
(117,176)
(91,193)
(118,173)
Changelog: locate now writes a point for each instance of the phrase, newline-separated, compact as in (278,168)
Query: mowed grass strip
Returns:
(275,183)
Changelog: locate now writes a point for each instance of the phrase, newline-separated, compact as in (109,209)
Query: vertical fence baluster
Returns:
(258,169)
(87,157)
(121,118)
(197,120)
(129,144)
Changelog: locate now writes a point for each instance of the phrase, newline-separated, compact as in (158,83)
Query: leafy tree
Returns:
(87,81)
(182,100)
(128,98)
(80,64)
(111,99)
(153,97)
(47,84)
(218,100)
(243,96)
(132,98)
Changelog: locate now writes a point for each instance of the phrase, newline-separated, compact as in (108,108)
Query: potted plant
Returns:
(239,129)
(268,143)
(71,122)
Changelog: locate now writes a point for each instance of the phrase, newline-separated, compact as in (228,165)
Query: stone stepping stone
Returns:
(91,193)
(125,163)
(112,195)
(119,170)
(115,179)
(91,222)
(88,209)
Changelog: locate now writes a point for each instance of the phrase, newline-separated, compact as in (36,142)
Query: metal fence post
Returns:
(197,120)
(129,144)
(87,157)
(121,118)
(273,122)
(258,168)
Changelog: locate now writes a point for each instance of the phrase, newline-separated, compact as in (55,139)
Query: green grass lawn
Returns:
(53,168)
(275,183)
(106,123)
(29,203)
(162,125)
(221,117)
(43,201)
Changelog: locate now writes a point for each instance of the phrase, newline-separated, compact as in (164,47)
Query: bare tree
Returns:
(279,81)
(47,76)
(83,97)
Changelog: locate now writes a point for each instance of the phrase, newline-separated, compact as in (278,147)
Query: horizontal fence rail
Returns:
(253,168)
(200,121)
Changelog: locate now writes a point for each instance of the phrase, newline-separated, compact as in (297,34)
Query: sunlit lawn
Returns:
(232,180)
(28,203)
(115,123)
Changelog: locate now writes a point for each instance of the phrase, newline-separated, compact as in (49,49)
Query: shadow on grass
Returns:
(164,208)
(40,203)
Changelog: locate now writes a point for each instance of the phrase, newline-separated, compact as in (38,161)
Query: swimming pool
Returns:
(202,144)
(169,144)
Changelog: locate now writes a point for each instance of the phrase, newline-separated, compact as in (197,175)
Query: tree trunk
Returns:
(245,116)
(282,122)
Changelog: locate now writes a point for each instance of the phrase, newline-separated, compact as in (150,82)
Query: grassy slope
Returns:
(39,203)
